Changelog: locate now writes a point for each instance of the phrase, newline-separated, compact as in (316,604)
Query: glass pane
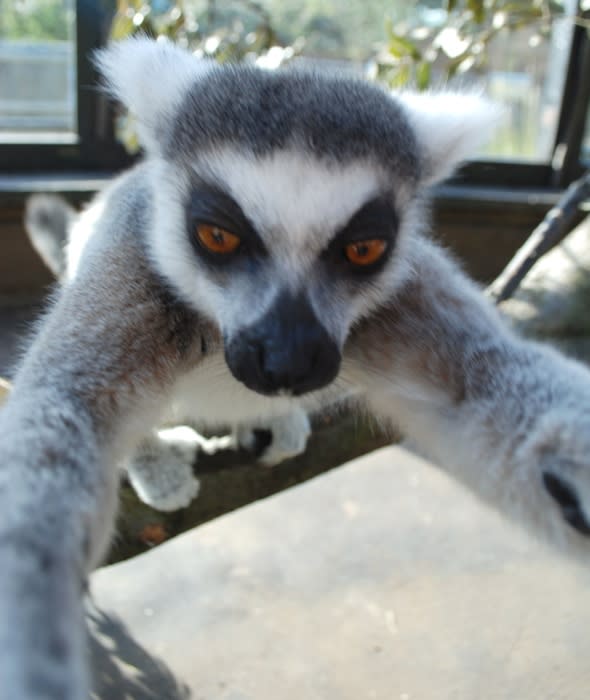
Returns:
(527,74)
(37,70)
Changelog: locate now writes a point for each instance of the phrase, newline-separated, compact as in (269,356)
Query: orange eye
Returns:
(365,252)
(217,240)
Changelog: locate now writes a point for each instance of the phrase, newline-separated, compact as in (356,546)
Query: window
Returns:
(53,118)
(527,74)
(37,71)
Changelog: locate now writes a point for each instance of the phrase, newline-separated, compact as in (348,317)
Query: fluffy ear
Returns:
(150,78)
(450,127)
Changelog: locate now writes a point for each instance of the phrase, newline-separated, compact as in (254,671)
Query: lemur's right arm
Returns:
(508,417)
(107,351)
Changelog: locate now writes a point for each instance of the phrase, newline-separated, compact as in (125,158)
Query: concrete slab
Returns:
(380,580)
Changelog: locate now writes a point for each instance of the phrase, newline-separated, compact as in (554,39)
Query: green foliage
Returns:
(41,20)
(246,32)
(416,47)
(460,39)
(332,28)
(336,28)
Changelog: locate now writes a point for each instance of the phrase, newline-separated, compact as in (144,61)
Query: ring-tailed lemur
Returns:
(268,251)
(161,469)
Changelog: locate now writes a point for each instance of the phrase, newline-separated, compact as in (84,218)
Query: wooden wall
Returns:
(22,273)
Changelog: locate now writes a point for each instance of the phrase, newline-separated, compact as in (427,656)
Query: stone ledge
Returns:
(381,580)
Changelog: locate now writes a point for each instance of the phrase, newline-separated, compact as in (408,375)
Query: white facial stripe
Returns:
(292,198)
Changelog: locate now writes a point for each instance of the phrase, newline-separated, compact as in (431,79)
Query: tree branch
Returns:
(549,233)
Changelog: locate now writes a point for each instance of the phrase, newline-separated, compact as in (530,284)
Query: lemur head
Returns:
(283,201)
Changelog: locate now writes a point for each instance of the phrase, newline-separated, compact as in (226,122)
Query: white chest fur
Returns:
(212,396)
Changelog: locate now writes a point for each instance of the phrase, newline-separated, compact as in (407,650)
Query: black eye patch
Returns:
(210,205)
(375,220)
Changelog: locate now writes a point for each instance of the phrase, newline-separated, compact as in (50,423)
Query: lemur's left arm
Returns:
(107,352)
(507,417)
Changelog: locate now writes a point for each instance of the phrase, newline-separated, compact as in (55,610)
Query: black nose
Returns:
(288,349)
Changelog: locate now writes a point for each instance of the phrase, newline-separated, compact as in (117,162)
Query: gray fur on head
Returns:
(185,105)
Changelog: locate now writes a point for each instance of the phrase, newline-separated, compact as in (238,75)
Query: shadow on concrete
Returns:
(122,669)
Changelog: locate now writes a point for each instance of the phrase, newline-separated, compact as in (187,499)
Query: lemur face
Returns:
(284,201)
(284,252)
(289,253)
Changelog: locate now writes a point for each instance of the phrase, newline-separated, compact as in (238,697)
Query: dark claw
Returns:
(262,440)
(567,498)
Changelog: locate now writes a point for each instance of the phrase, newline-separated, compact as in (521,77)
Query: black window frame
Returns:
(95,148)
(97,151)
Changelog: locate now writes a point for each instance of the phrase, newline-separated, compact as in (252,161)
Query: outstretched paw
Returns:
(276,439)
(161,472)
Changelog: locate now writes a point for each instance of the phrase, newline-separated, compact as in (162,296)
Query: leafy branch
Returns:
(556,225)
(247,32)
(460,39)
